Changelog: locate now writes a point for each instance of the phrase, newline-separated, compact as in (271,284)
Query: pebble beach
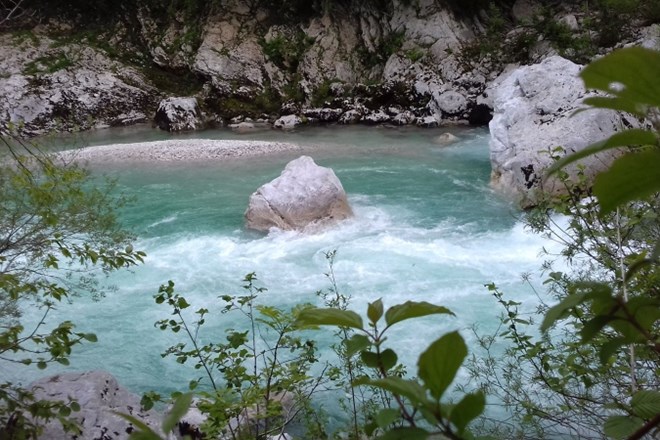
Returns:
(188,150)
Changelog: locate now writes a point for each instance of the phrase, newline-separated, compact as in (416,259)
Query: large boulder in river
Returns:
(179,114)
(304,197)
(99,396)
(534,112)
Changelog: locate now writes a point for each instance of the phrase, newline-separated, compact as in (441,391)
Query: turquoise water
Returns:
(426,227)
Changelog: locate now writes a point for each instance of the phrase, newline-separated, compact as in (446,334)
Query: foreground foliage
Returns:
(593,369)
(57,234)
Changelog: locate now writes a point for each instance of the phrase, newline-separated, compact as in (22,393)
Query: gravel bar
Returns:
(189,150)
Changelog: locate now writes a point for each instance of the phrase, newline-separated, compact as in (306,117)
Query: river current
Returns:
(426,227)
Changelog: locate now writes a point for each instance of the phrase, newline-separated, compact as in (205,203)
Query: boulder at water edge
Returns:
(304,197)
(178,114)
(534,112)
(99,396)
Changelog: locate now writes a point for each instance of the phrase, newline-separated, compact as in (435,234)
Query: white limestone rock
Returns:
(87,90)
(449,103)
(428,121)
(534,112)
(324,114)
(352,116)
(179,114)
(445,139)
(99,396)
(305,197)
(288,122)
(406,117)
(376,117)
(230,53)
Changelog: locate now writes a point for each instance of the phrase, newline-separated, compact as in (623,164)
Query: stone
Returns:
(324,114)
(351,117)
(179,114)
(288,122)
(305,197)
(427,122)
(376,117)
(570,21)
(534,112)
(191,422)
(99,396)
(406,117)
(445,139)
(91,91)
(450,103)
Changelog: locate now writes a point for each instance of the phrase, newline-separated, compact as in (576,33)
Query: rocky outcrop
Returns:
(179,114)
(534,112)
(44,87)
(305,197)
(397,62)
(99,396)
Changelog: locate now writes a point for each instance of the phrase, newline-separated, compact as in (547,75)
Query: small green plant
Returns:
(48,64)
(418,410)
(415,54)
(257,381)
(287,52)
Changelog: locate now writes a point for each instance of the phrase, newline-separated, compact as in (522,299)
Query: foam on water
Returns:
(426,227)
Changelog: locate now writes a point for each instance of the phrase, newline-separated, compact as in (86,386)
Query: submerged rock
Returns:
(99,396)
(534,112)
(304,197)
(445,139)
(179,114)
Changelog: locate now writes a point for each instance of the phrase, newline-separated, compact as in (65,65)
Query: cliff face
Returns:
(66,65)
(243,58)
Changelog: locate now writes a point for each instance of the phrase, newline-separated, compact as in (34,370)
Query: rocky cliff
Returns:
(378,61)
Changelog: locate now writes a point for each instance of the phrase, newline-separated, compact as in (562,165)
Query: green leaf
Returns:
(388,359)
(387,416)
(75,406)
(329,316)
(646,404)
(42,365)
(593,326)
(609,349)
(356,343)
(625,138)
(179,409)
(91,337)
(182,303)
(558,311)
(439,364)
(370,359)
(407,433)
(375,311)
(634,70)
(412,309)
(396,385)
(631,177)
(469,408)
(620,427)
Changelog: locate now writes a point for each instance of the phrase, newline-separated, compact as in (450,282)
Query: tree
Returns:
(58,233)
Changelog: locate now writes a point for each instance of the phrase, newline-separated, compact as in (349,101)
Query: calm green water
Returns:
(426,227)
